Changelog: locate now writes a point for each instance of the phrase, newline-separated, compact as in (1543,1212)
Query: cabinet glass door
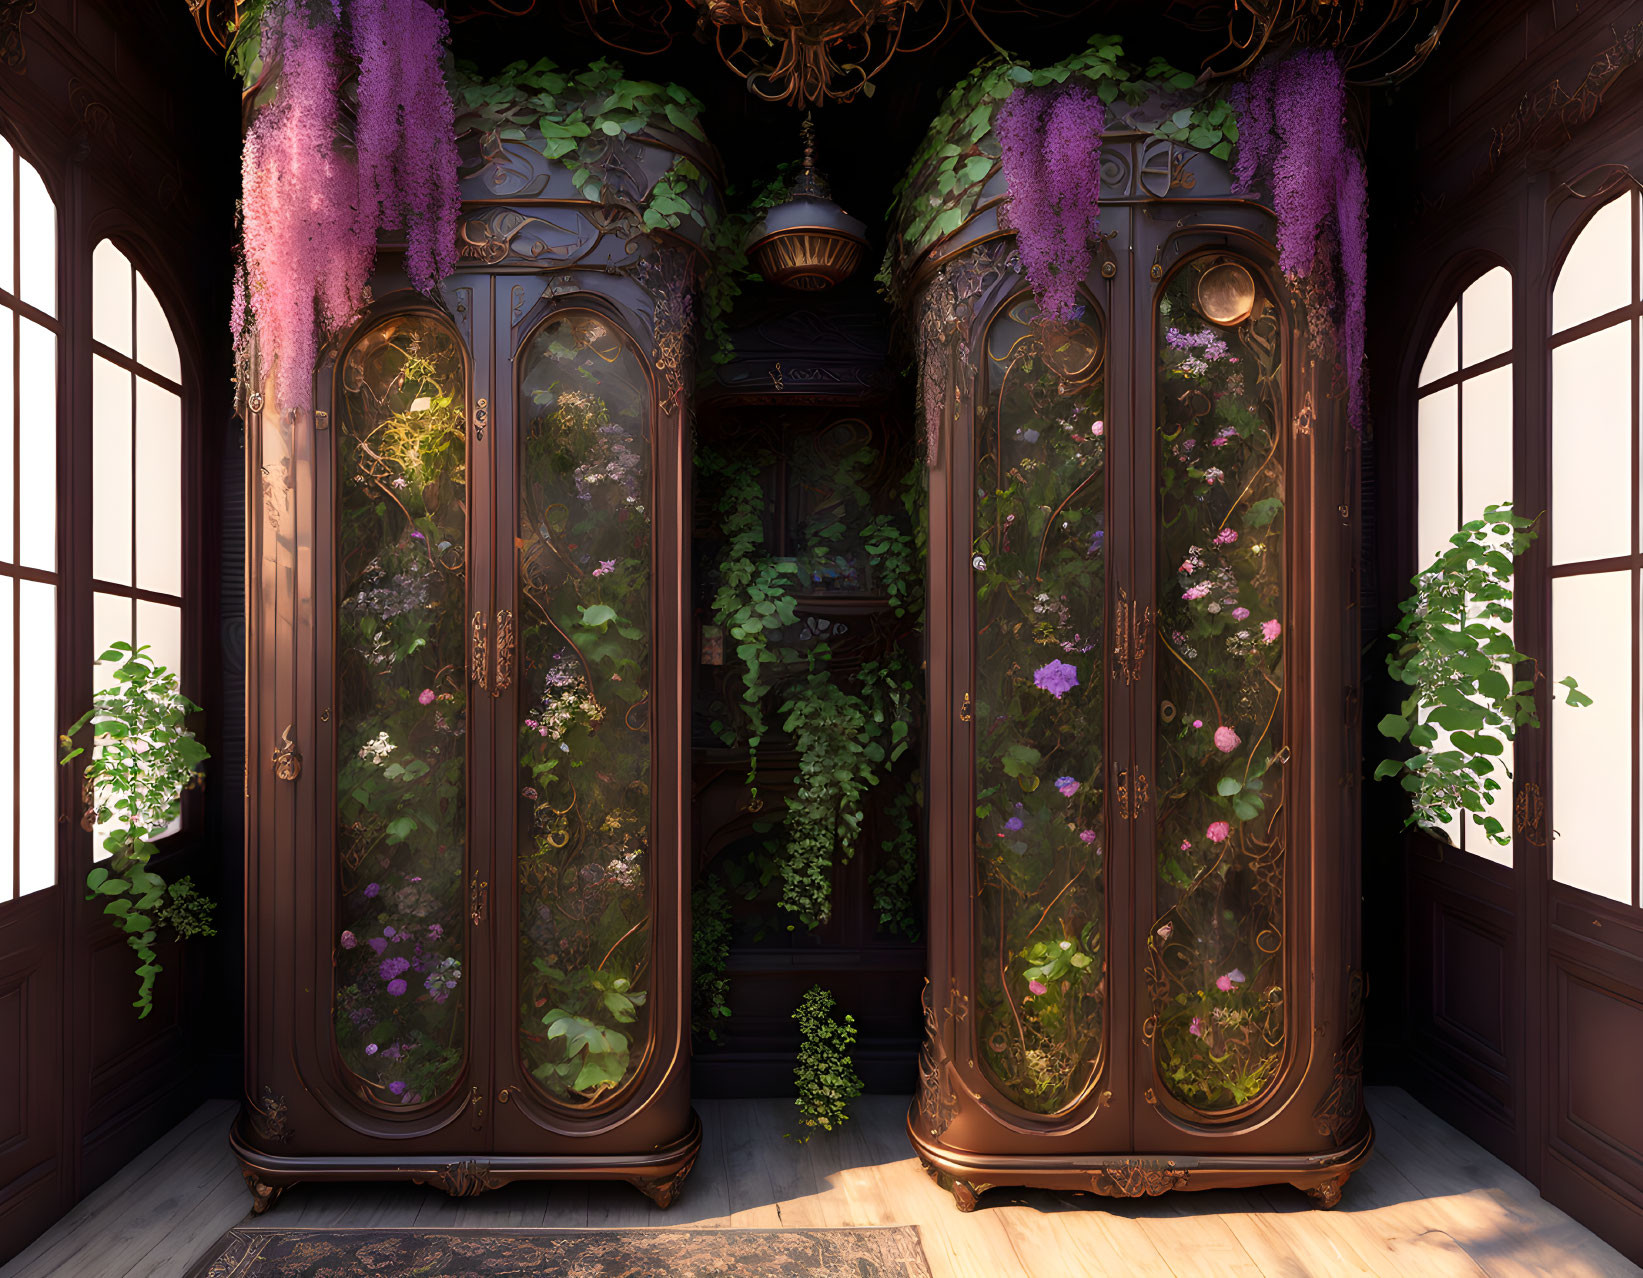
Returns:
(1216,949)
(401,709)
(1039,592)
(583,791)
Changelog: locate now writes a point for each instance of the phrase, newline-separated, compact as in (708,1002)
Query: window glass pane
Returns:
(8,444)
(1596,277)
(110,472)
(110,621)
(1486,442)
(160,626)
(111,297)
(1592,447)
(1592,637)
(1040,841)
(159,480)
(37,447)
(8,213)
(1443,356)
(400,831)
(8,723)
(37,730)
(37,217)
(1437,478)
(1486,317)
(156,347)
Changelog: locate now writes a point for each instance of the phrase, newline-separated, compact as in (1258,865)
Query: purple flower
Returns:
(371,889)
(392,967)
(377,943)
(1057,678)
(605,566)
(370,1049)
(1086,836)
(435,931)
(397,1087)
(1197,1027)
(1067,786)
(419,536)
(397,986)
(1014,823)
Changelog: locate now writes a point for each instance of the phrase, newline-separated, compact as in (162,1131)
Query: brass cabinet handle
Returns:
(1132,794)
(480,656)
(478,898)
(287,760)
(1121,638)
(964,715)
(504,652)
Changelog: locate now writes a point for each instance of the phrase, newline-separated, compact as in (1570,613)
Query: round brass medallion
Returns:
(1226,294)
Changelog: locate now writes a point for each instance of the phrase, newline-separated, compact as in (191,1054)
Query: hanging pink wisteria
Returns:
(1050,143)
(1292,125)
(312,209)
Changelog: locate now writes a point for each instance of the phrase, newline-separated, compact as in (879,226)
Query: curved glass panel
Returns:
(1039,571)
(584,708)
(1216,949)
(402,777)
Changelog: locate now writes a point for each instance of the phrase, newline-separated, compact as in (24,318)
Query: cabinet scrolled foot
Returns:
(263,1195)
(663,1190)
(1328,1193)
(965,1195)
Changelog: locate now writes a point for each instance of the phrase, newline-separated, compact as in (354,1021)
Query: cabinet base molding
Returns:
(968,1176)
(658,1173)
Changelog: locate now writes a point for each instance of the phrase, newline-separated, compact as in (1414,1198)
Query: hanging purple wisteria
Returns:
(1050,142)
(1292,125)
(312,210)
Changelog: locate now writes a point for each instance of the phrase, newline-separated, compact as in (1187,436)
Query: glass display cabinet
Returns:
(468,785)
(1143,918)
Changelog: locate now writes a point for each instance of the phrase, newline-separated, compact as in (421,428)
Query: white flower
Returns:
(979,564)
(377,751)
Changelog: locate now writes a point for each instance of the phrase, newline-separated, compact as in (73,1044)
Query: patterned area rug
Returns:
(570,1253)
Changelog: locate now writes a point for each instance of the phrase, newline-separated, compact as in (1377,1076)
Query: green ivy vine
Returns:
(1454,649)
(142,759)
(894,882)
(942,188)
(709,956)
(755,599)
(897,545)
(825,1077)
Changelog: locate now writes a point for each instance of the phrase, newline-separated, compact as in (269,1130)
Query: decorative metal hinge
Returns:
(1140,625)
(1121,637)
(479,658)
(504,652)
(1131,799)
(286,760)
(478,898)
(482,416)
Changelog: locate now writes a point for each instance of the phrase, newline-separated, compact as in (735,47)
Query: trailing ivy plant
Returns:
(942,188)
(142,759)
(754,600)
(709,954)
(895,544)
(1453,648)
(825,1078)
(893,883)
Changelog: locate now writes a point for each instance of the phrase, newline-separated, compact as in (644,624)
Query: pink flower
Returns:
(349,940)
(426,696)
(1195,592)
(1067,786)
(1218,832)
(1086,836)
(1226,537)
(1197,1026)
(1197,723)
(605,566)
(1038,987)
(1270,630)
(1241,614)
(1226,740)
(1186,845)
(1165,931)
(1227,980)
(1100,428)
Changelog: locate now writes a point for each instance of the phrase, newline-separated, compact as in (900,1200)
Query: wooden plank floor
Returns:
(1428,1203)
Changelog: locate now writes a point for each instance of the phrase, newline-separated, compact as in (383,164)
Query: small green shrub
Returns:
(825,1079)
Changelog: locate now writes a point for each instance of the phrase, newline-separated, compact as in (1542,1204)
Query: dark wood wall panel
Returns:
(32,1168)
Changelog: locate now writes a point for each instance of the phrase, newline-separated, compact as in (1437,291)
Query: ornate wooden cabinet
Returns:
(1143,756)
(467,726)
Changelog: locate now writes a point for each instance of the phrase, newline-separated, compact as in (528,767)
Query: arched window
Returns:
(137,469)
(1465,459)
(1594,553)
(28,529)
